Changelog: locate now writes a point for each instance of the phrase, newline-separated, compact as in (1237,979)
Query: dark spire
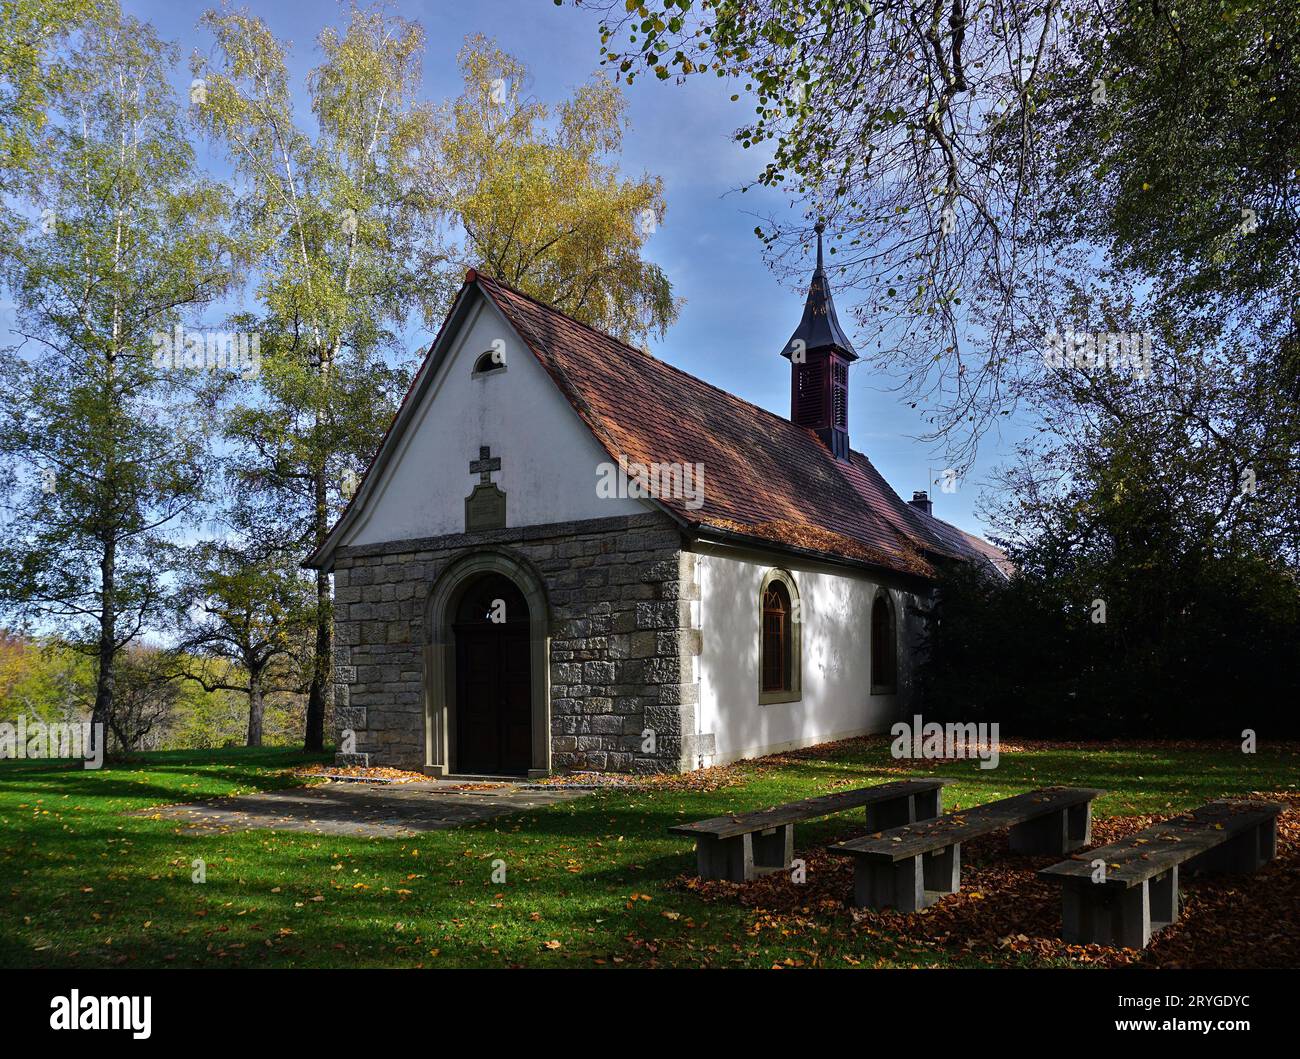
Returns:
(820,328)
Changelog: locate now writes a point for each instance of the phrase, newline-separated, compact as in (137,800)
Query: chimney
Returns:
(820,355)
(921,499)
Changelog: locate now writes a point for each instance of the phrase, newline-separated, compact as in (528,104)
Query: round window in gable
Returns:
(492,360)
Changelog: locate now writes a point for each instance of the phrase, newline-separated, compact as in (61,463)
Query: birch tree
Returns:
(334,230)
(104,442)
(31,35)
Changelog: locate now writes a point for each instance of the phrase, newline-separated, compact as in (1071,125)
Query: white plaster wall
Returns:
(548,457)
(836,643)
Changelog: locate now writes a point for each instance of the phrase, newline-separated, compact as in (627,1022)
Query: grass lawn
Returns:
(595,881)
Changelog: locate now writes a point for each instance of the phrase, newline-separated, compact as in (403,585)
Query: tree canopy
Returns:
(538,194)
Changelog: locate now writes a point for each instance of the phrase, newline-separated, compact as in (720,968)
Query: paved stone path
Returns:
(386,810)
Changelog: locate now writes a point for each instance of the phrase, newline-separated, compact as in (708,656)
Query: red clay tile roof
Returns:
(764,477)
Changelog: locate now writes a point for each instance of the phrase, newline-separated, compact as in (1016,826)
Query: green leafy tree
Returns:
(103,442)
(31,35)
(1152,527)
(1177,138)
(539,197)
(335,231)
(245,617)
(44,678)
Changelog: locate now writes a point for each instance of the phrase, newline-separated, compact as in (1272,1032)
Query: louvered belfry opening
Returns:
(840,394)
(820,354)
(810,392)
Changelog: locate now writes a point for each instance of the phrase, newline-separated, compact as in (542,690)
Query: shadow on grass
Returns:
(583,868)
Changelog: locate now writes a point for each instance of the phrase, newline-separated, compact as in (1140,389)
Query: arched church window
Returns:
(779,633)
(884,647)
(489,362)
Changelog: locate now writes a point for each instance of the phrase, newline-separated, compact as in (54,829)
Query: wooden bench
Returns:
(1136,894)
(908,868)
(745,845)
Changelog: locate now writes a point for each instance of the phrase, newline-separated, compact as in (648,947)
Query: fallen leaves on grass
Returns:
(699,780)
(851,749)
(358,772)
(1005,915)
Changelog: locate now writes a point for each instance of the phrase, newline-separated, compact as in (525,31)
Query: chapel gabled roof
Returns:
(764,476)
(767,481)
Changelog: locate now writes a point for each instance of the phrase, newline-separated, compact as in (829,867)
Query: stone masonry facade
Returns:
(623,631)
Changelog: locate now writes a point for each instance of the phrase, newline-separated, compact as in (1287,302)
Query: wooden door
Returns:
(494,701)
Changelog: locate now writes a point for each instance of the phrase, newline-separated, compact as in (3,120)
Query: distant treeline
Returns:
(48,680)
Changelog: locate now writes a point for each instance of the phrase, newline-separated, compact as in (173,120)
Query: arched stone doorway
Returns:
(492,714)
(487,686)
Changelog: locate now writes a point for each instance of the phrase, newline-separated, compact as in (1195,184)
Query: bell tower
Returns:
(820,354)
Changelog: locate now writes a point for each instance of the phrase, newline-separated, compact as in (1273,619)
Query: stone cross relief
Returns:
(485,507)
(485,464)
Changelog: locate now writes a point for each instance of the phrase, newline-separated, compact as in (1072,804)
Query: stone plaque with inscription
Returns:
(485,509)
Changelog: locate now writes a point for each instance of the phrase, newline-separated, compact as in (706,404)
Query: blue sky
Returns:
(737,315)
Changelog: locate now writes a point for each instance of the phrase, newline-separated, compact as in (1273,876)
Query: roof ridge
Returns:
(917,535)
(650,356)
(560,312)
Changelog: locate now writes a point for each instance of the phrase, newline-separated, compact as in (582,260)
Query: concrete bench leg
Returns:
(724,858)
(928,804)
(1267,840)
(943,871)
(892,812)
(743,857)
(1043,834)
(1162,895)
(1078,829)
(882,885)
(1242,853)
(1094,914)
(772,850)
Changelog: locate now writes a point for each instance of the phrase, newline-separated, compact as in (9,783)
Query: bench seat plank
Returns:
(911,867)
(1180,840)
(902,843)
(807,809)
(1137,893)
(742,846)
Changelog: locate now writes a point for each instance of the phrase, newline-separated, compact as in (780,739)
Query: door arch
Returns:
(463,643)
